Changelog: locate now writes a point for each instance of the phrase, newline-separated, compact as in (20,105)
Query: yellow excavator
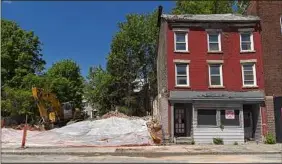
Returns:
(52,112)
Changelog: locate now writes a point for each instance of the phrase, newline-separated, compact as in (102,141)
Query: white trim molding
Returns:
(254,75)
(215,61)
(251,40)
(186,40)
(213,32)
(248,61)
(220,74)
(181,29)
(181,61)
(187,76)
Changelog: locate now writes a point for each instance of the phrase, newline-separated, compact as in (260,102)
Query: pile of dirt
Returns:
(29,127)
(114,114)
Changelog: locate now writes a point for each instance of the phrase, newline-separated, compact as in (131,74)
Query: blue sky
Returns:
(81,31)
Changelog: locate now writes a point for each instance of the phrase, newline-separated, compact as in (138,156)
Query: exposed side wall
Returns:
(270,13)
(162,98)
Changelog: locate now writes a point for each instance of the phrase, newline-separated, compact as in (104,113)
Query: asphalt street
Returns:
(268,158)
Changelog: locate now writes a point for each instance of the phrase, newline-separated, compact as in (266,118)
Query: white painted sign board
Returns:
(229,114)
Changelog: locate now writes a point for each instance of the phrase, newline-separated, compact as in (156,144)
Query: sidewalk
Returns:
(173,150)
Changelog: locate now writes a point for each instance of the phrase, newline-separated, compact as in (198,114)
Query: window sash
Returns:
(219,74)
(247,44)
(215,43)
(230,122)
(181,76)
(249,74)
(180,42)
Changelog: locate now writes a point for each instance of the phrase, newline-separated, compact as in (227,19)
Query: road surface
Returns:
(270,158)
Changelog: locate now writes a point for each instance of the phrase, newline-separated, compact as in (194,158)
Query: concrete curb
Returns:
(136,154)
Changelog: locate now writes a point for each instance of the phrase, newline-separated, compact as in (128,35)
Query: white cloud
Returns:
(8,2)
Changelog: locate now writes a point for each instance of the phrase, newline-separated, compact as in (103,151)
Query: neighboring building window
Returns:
(281,23)
(182,74)
(229,121)
(180,41)
(246,39)
(207,117)
(215,75)
(214,42)
(249,74)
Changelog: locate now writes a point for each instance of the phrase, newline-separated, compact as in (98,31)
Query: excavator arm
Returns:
(52,114)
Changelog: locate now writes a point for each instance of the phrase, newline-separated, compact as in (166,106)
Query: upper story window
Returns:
(249,74)
(182,74)
(215,75)
(281,23)
(246,41)
(180,41)
(214,42)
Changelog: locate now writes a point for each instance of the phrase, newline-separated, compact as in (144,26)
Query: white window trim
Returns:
(219,40)
(251,39)
(186,40)
(254,73)
(221,76)
(187,75)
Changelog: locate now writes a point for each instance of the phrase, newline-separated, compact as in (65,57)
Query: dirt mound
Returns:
(114,114)
(29,127)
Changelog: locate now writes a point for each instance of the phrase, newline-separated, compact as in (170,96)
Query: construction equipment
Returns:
(51,110)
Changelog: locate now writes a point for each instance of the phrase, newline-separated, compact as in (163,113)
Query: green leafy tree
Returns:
(65,80)
(209,7)
(20,54)
(99,90)
(133,56)
(17,102)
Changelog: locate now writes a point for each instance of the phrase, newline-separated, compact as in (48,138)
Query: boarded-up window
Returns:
(227,121)
(207,117)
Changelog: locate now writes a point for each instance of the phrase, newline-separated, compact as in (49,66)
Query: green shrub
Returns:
(218,141)
(269,139)
(235,143)
(192,142)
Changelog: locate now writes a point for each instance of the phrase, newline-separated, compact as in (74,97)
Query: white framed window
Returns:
(180,41)
(182,74)
(214,41)
(215,75)
(246,41)
(249,74)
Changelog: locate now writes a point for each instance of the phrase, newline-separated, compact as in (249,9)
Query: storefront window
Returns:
(207,117)
(229,117)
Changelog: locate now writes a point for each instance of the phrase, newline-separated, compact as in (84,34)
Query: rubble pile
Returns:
(114,114)
(29,127)
(155,130)
(113,131)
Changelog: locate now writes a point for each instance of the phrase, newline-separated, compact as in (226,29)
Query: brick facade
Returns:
(270,13)
(198,55)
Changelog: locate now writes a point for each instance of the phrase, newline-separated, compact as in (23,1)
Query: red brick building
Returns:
(210,77)
(270,13)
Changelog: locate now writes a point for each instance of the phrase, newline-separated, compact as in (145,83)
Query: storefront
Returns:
(232,116)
